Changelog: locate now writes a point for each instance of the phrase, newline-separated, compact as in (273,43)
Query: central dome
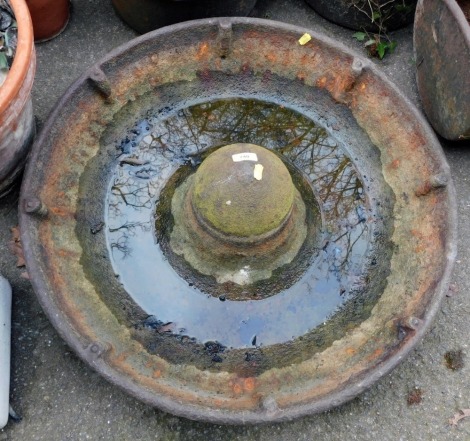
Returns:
(243,190)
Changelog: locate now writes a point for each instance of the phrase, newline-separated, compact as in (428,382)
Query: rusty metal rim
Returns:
(41,286)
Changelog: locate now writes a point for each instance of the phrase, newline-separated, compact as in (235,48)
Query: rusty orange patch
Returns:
(203,50)
(122,357)
(321,82)
(420,249)
(271,57)
(376,354)
(237,389)
(249,384)
(58,211)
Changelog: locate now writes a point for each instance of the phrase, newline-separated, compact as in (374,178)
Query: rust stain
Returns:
(321,82)
(75,315)
(376,354)
(249,384)
(237,389)
(203,51)
(123,356)
(423,189)
(60,211)
(416,233)
(243,385)
(271,57)
(67,253)
(420,249)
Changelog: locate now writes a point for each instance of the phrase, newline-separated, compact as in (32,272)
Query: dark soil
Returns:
(454,360)
(465,6)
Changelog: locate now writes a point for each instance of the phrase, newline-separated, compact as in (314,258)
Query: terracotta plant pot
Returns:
(16,110)
(50,17)
(147,15)
(371,15)
(442,53)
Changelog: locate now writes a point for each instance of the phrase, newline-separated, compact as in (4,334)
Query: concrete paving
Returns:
(61,398)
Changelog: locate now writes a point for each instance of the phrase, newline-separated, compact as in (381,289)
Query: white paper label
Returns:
(247,156)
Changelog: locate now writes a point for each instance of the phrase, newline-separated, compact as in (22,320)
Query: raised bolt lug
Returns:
(357,67)
(33,205)
(101,82)
(225,38)
(440,180)
(97,349)
(407,326)
(413,323)
(269,404)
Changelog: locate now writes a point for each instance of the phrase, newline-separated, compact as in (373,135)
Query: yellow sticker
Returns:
(304,39)
(258,172)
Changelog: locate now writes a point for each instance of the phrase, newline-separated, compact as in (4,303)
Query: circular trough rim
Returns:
(196,412)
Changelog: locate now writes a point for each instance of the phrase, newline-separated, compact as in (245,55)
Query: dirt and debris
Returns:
(463,413)
(213,349)
(415,396)
(453,289)
(465,6)
(151,322)
(16,247)
(454,359)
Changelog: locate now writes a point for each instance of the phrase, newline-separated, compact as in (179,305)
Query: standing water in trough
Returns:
(179,288)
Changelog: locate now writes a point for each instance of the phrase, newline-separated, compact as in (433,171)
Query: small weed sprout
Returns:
(378,43)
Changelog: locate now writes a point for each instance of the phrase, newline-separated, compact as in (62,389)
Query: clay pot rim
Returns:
(23,56)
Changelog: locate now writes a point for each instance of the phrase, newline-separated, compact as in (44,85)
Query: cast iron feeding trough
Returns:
(235,227)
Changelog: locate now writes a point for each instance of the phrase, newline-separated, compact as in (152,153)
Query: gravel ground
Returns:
(61,398)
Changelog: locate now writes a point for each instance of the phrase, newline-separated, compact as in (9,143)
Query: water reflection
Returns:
(166,140)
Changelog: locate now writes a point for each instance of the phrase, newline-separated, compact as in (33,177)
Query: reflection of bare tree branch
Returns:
(340,258)
(130,226)
(188,133)
(128,229)
(121,245)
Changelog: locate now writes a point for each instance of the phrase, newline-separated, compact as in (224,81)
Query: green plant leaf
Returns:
(3,61)
(403,8)
(360,36)
(376,15)
(381,47)
(392,45)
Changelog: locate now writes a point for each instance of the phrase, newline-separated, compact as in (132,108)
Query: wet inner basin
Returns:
(330,269)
